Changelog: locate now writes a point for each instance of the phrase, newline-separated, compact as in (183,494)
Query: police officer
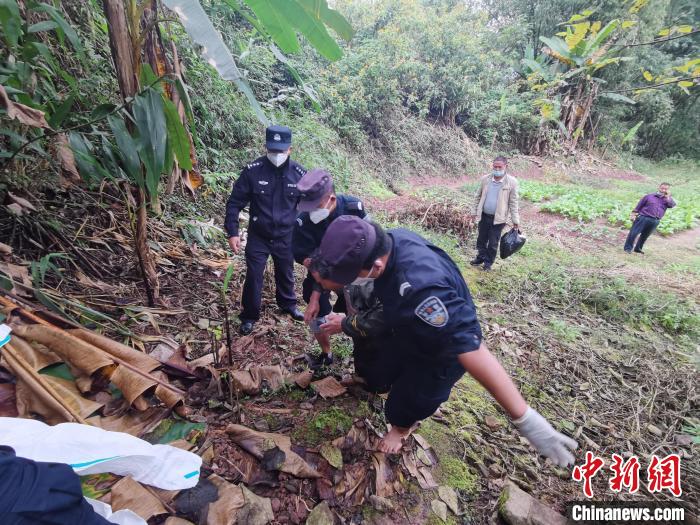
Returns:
(436,334)
(34,492)
(319,206)
(269,184)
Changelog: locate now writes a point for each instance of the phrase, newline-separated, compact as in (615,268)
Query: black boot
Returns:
(296,314)
(246,327)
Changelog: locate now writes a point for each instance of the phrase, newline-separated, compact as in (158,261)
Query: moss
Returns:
(455,473)
(434,519)
(326,424)
(451,470)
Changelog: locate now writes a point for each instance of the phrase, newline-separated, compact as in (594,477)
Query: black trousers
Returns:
(416,387)
(487,241)
(643,227)
(257,250)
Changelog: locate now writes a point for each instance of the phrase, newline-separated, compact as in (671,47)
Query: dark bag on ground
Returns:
(511,242)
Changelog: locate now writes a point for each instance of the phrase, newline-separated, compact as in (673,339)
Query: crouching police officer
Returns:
(436,334)
(319,206)
(269,184)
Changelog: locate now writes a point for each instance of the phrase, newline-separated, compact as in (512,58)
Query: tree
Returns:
(161,143)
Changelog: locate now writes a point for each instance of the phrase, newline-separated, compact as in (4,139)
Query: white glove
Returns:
(545,439)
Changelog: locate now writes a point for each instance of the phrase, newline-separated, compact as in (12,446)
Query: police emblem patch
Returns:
(433,312)
(277,137)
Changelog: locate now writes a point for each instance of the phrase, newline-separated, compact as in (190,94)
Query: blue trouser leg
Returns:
(635,230)
(420,390)
(648,228)
(281,251)
(307,287)
(257,251)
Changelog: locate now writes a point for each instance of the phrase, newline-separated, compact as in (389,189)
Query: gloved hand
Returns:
(545,439)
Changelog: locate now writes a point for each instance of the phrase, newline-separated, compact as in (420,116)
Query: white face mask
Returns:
(319,214)
(364,280)
(277,158)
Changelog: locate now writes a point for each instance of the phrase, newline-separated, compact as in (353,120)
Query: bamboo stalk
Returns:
(17,360)
(39,320)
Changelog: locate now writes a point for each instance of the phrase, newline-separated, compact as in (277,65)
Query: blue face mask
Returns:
(498,173)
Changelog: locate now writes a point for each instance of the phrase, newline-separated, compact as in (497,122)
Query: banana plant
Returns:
(277,21)
(570,80)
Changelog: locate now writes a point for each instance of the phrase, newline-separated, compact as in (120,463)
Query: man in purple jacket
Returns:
(647,215)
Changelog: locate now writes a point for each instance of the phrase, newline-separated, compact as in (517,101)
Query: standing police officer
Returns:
(436,334)
(269,184)
(320,206)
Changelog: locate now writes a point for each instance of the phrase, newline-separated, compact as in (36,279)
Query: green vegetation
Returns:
(535,191)
(614,204)
(327,424)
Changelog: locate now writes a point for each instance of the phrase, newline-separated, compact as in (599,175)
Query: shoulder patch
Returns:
(355,205)
(433,312)
(404,288)
(300,222)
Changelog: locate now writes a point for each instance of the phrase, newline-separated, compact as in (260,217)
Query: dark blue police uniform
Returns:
(33,493)
(273,195)
(432,316)
(307,238)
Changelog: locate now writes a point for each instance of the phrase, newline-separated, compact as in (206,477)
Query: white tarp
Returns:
(92,450)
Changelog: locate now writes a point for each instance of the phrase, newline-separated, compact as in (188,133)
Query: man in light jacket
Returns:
(495,200)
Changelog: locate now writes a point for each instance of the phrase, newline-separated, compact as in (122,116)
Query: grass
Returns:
(545,271)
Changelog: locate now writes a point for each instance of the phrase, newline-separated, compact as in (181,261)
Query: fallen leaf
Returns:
(256,510)
(162,352)
(422,441)
(224,511)
(332,454)
(383,475)
(381,504)
(256,443)
(328,387)
(19,274)
(252,381)
(192,180)
(172,520)
(15,209)
(303,379)
(203,323)
(8,404)
(655,430)
(439,508)
(69,171)
(423,457)
(321,515)
(492,422)
(5,249)
(24,114)
(128,494)
(87,281)
(449,496)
